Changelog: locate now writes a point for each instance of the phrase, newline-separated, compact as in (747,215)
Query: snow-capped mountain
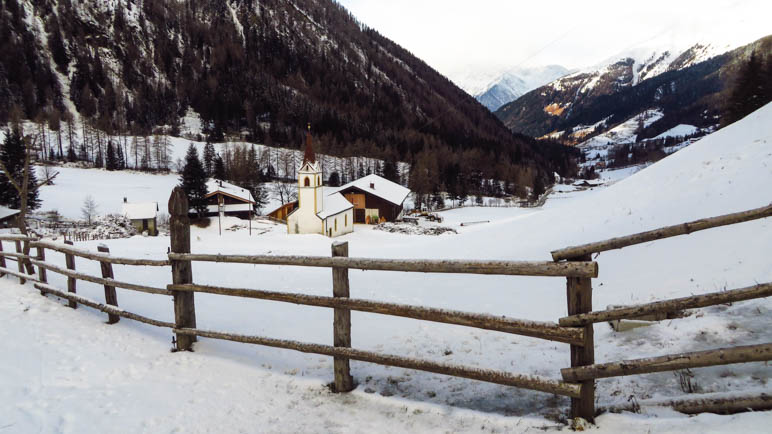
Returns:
(514,83)
(685,84)
(495,87)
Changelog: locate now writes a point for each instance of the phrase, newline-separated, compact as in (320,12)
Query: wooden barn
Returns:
(283,211)
(234,200)
(375,199)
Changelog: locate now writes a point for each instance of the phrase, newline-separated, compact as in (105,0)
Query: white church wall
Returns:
(345,223)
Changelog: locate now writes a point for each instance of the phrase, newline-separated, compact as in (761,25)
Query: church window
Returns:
(345,220)
(336,225)
(307,182)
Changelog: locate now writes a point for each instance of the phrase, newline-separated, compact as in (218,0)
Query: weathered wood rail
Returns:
(574,264)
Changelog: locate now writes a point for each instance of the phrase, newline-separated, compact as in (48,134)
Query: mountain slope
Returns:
(686,87)
(513,83)
(261,69)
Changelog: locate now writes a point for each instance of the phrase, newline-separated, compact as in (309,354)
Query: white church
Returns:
(317,212)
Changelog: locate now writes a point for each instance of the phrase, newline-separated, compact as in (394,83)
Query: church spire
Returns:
(308,156)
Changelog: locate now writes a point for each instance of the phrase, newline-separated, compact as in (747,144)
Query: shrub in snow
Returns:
(411,229)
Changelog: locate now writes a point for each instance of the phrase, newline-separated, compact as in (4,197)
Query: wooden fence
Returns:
(576,330)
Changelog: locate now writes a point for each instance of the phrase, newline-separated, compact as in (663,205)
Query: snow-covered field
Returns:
(66,371)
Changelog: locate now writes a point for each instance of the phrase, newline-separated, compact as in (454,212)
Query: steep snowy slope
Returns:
(512,83)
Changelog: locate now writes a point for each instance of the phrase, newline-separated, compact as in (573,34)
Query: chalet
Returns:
(143,216)
(8,217)
(317,211)
(375,199)
(231,199)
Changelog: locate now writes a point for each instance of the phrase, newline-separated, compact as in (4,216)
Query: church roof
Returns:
(379,186)
(334,204)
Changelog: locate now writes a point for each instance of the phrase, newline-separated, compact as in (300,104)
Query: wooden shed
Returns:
(8,217)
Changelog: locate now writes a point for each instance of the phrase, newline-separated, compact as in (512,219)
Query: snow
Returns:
(680,130)
(7,212)
(55,359)
(140,211)
(381,187)
(334,204)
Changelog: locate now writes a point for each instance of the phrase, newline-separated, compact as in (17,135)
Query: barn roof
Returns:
(140,211)
(214,186)
(334,204)
(7,212)
(379,186)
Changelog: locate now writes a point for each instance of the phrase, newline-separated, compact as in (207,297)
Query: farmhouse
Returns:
(318,212)
(234,200)
(143,216)
(375,199)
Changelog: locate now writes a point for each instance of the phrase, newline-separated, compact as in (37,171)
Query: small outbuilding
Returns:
(143,216)
(375,198)
(8,217)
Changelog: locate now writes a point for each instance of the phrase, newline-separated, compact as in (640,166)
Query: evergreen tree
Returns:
(749,92)
(12,155)
(219,169)
(71,153)
(390,171)
(193,181)
(334,179)
(112,161)
(120,160)
(209,158)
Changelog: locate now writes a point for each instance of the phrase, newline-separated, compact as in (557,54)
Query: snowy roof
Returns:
(214,186)
(7,212)
(140,211)
(334,204)
(381,187)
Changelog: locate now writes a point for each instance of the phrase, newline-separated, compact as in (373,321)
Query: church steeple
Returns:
(308,156)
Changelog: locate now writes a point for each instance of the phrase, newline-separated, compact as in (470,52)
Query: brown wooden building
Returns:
(234,200)
(375,199)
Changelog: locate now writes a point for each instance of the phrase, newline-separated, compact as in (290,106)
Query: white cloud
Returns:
(454,35)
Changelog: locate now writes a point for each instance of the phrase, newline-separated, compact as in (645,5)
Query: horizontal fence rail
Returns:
(101,280)
(101,257)
(698,359)
(543,330)
(512,268)
(110,310)
(17,237)
(665,232)
(706,403)
(523,381)
(672,305)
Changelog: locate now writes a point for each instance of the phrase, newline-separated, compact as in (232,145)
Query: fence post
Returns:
(182,271)
(20,262)
(111,297)
(42,276)
(341,322)
(579,294)
(69,259)
(2,258)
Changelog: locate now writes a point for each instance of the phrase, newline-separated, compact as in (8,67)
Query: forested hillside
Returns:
(261,69)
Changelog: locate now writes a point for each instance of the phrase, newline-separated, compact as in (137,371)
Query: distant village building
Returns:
(8,217)
(231,199)
(143,216)
(375,199)
(318,212)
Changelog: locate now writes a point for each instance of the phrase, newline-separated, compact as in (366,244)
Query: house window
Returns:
(336,225)
(307,182)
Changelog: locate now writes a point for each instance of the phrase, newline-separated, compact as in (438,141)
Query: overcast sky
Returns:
(456,35)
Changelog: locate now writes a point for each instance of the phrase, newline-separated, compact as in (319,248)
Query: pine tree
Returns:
(193,181)
(209,157)
(749,91)
(219,169)
(119,158)
(390,171)
(112,161)
(334,179)
(12,156)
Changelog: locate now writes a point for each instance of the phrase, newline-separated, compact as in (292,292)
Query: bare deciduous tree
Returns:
(89,209)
